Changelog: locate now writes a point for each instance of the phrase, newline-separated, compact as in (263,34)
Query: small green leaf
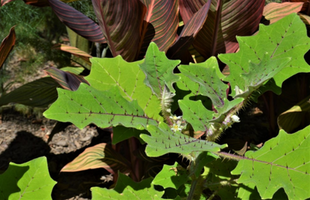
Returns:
(168,178)
(103,108)
(107,73)
(158,70)
(127,189)
(283,162)
(208,76)
(163,140)
(196,114)
(29,180)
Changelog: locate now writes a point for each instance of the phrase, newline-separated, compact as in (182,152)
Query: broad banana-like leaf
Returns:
(99,156)
(39,93)
(163,16)
(276,11)
(67,80)
(226,19)
(77,21)
(189,32)
(121,23)
(7,45)
(75,51)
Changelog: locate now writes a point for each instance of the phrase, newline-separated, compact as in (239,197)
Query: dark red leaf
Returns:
(121,23)
(7,45)
(77,21)
(189,32)
(39,93)
(67,80)
(163,15)
(226,20)
(276,11)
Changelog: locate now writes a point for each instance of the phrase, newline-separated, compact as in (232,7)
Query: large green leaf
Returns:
(226,19)
(158,70)
(7,45)
(122,37)
(282,40)
(99,156)
(128,78)
(103,108)
(30,180)
(39,93)
(163,140)
(283,162)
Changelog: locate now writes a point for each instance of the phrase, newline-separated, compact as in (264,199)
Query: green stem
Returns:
(192,190)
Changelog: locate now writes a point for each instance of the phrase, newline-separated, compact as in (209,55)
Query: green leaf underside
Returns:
(29,180)
(127,189)
(208,77)
(168,178)
(158,70)
(128,78)
(163,140)
(99,156)
(103,108)
(284,39)
(283,162)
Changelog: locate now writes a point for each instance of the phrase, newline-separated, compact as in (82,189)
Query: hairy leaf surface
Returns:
(103,108)
(283,162)
(158,70)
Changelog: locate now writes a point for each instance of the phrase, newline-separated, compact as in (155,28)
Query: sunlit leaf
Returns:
(283,162)
(75,51)
(29,180)
(276,11)
(99,156)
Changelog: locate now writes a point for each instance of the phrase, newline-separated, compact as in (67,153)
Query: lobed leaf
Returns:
(163,140)
(29,180)
(208,77)
(158,70)
(107,73)
(196,114)
(169,178)
(103,108)
(283,162)
(284,39)
(99,156)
